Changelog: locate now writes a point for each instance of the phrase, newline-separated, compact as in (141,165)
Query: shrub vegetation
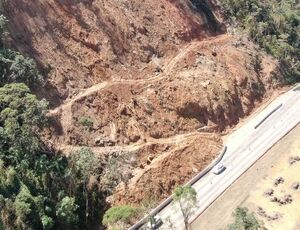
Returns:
(243,220)
(119,216)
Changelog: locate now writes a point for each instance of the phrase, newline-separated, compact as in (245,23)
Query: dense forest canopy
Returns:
(38,189)
(274,25)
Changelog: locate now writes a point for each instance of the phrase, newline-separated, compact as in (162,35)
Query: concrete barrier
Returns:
(167,201)
(267,116)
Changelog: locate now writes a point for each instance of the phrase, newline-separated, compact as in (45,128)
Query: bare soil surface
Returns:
(251,188)
(158,79)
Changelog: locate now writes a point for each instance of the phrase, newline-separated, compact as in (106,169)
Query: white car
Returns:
(219,168)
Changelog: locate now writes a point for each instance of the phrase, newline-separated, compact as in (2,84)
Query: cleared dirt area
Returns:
(132,79)
(281,165)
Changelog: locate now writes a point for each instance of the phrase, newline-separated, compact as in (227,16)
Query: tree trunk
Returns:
(86,204)
(185,219)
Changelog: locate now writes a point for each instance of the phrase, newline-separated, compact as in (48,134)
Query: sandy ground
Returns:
(249,190)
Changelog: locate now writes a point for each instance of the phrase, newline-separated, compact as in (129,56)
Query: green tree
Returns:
(24,70)
(21,115)
(47,222)
(243,220)
(86,122)
(29,179)
(66,212)
(34,183)
(3,29)
(85,165)
(26,210)
(14,67)
(120,216)
(186,196)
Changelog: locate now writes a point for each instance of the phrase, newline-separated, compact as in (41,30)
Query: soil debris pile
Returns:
(158,79)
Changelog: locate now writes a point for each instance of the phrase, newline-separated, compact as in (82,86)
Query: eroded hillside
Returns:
(86,42)
(156,80)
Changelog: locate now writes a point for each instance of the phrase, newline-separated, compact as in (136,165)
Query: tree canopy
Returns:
(275,26)
(243,220)
(186,196)
(40,190)
(21,114)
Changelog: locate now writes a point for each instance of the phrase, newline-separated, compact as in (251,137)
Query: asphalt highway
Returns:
(244,147)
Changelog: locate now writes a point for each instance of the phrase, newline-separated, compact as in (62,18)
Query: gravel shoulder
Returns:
(249,190)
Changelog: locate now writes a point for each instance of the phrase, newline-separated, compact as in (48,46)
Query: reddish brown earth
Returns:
(145,74)
(173,163)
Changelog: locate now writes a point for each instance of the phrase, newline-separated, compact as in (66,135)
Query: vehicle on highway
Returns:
(154,223)
(219,168)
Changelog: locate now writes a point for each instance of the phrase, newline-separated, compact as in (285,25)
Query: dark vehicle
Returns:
(155,222)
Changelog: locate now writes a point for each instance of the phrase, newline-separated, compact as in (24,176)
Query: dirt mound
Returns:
(178,163)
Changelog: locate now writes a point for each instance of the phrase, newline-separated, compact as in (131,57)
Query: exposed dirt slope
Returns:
(148,74)
(173,163)
(196,91)
(86,42)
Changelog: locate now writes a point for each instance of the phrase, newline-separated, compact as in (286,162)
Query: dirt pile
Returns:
(144,76)
(172,165)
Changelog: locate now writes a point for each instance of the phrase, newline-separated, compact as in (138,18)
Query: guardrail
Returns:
(170,198)
(267,116)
